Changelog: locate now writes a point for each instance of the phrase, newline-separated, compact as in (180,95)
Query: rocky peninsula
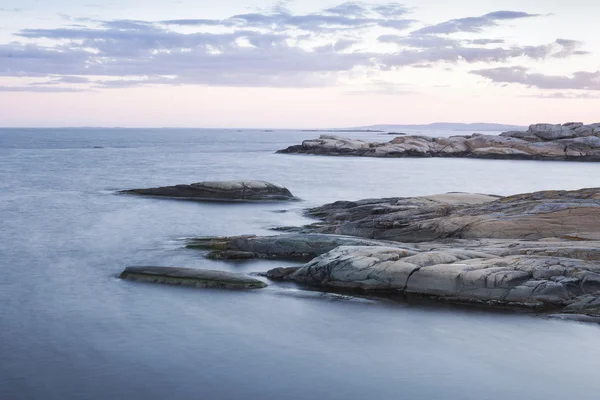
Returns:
(228,191)
(572,141)
(537,250)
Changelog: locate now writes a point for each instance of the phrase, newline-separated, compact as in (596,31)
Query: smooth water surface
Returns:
(69,329)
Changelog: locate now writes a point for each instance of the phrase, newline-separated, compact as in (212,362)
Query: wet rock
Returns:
(219,191)
(199,278)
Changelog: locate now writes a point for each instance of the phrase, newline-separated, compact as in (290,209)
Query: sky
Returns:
(297,64)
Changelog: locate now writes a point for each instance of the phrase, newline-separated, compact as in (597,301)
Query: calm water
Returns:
(69,329)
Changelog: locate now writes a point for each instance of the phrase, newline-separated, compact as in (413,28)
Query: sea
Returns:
(70,329)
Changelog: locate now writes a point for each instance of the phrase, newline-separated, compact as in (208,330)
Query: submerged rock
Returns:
(219,191)
(199,278)
(540,142)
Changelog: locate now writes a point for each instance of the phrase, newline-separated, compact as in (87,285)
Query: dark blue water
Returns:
(69,329)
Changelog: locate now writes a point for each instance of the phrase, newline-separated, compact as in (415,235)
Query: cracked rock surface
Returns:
(458,274)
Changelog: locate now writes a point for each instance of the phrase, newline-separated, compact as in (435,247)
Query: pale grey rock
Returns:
(552,132)
(527,136)
(458,275)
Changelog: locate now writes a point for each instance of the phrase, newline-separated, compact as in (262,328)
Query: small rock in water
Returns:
(200,278)
(219,191)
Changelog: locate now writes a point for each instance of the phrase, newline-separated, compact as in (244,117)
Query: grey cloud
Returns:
(239,79)
(438,52)
(487,41)
(32,60)
(566,96)
(75,19)
(569,47)
(350,8)
(420,41)
(580,80)
(391,10)
(473,24)
(195,22)
(63,79)
(256,49)
(349,15)
(344,44)
(127,24)
(41,89)
(435,41)
(125,83)
(383,88)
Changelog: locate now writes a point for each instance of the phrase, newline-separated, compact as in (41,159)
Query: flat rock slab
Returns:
(233,191)
(200,278)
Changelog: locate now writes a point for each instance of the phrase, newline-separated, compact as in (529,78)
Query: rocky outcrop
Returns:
(219,191)
(537,250)
(289,246)
(573,215)
(571,141)
(199,278)
(459,274)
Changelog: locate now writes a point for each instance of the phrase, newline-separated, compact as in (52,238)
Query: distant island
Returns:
(572,141)
(442,126)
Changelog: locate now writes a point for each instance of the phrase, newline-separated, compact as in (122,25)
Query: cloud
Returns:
(580,80)
(420,41)
(435,41)
(566,96)
(474,24)
(41,89)
(391,10)
(349,8)
(349,15)
(487,41)
(273,48)
(432,49)
(383,88)
(63,79)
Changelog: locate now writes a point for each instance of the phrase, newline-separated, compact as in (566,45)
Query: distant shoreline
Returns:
(344,130)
